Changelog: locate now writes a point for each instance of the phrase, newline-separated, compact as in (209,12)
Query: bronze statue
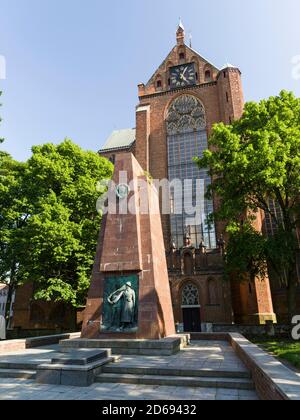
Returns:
(123,302)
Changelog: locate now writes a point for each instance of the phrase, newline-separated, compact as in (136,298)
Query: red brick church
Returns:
(177,108)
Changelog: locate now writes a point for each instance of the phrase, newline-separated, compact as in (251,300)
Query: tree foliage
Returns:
(49,220)
(253,161)
(245,253)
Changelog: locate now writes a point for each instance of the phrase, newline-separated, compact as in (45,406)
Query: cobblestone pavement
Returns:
(16,389)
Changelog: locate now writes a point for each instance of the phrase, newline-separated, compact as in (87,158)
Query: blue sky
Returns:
(73,66)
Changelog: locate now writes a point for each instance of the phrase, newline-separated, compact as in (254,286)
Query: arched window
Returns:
(190,295)
(158,84)
(207,75)
(182,56)
(187,138)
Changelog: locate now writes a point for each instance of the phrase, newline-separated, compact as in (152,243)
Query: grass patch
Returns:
(284,349)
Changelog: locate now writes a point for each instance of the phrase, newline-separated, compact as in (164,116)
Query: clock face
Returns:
(183,75)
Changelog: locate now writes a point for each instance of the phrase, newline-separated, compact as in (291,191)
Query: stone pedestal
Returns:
(130,261)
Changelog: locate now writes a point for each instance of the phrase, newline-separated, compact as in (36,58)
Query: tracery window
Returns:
(187,138)
(190,295)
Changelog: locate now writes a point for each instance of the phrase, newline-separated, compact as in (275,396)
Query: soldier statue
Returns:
(123,302)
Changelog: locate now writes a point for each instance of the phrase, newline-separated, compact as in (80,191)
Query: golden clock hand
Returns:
(183,78)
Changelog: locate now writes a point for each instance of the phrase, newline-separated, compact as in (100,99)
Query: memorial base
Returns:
(164,347)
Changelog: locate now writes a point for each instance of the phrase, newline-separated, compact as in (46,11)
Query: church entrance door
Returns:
(191,319)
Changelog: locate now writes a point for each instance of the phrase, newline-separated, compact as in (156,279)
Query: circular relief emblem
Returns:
(122,191)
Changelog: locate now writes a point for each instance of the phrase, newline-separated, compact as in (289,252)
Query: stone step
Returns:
(17,373)
(169,371)
(81,357)
(71,375)
(19,365)
(164,347)
(218,382)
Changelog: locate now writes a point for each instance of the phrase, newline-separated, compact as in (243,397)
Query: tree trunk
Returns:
(292,272)
(73,325)
(11,290)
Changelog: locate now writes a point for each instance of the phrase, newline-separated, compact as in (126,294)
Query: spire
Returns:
(180,25)
(180,34)
(191,40)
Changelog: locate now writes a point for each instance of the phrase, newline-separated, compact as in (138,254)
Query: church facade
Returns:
(177,109)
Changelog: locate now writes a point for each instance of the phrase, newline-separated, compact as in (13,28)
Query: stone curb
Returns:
(28,343)
(272,379)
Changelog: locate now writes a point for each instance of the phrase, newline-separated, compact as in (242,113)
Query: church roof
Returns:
(203,58)
(168,57)
(120,139)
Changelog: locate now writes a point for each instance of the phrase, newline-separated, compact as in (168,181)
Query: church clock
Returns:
(182,76)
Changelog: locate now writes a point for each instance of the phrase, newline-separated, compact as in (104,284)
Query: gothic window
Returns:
(190,295)
(187,138)
(158,84)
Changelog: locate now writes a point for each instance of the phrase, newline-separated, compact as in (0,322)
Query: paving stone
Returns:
(216,355)
(230,392)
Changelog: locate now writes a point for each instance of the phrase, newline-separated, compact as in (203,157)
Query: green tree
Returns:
(253,161)
(55,225)
(11,218)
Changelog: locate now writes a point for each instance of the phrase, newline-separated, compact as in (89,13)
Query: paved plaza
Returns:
(214,355)
(210,355)
(16,389)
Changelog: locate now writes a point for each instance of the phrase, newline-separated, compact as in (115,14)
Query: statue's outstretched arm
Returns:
(119,294)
